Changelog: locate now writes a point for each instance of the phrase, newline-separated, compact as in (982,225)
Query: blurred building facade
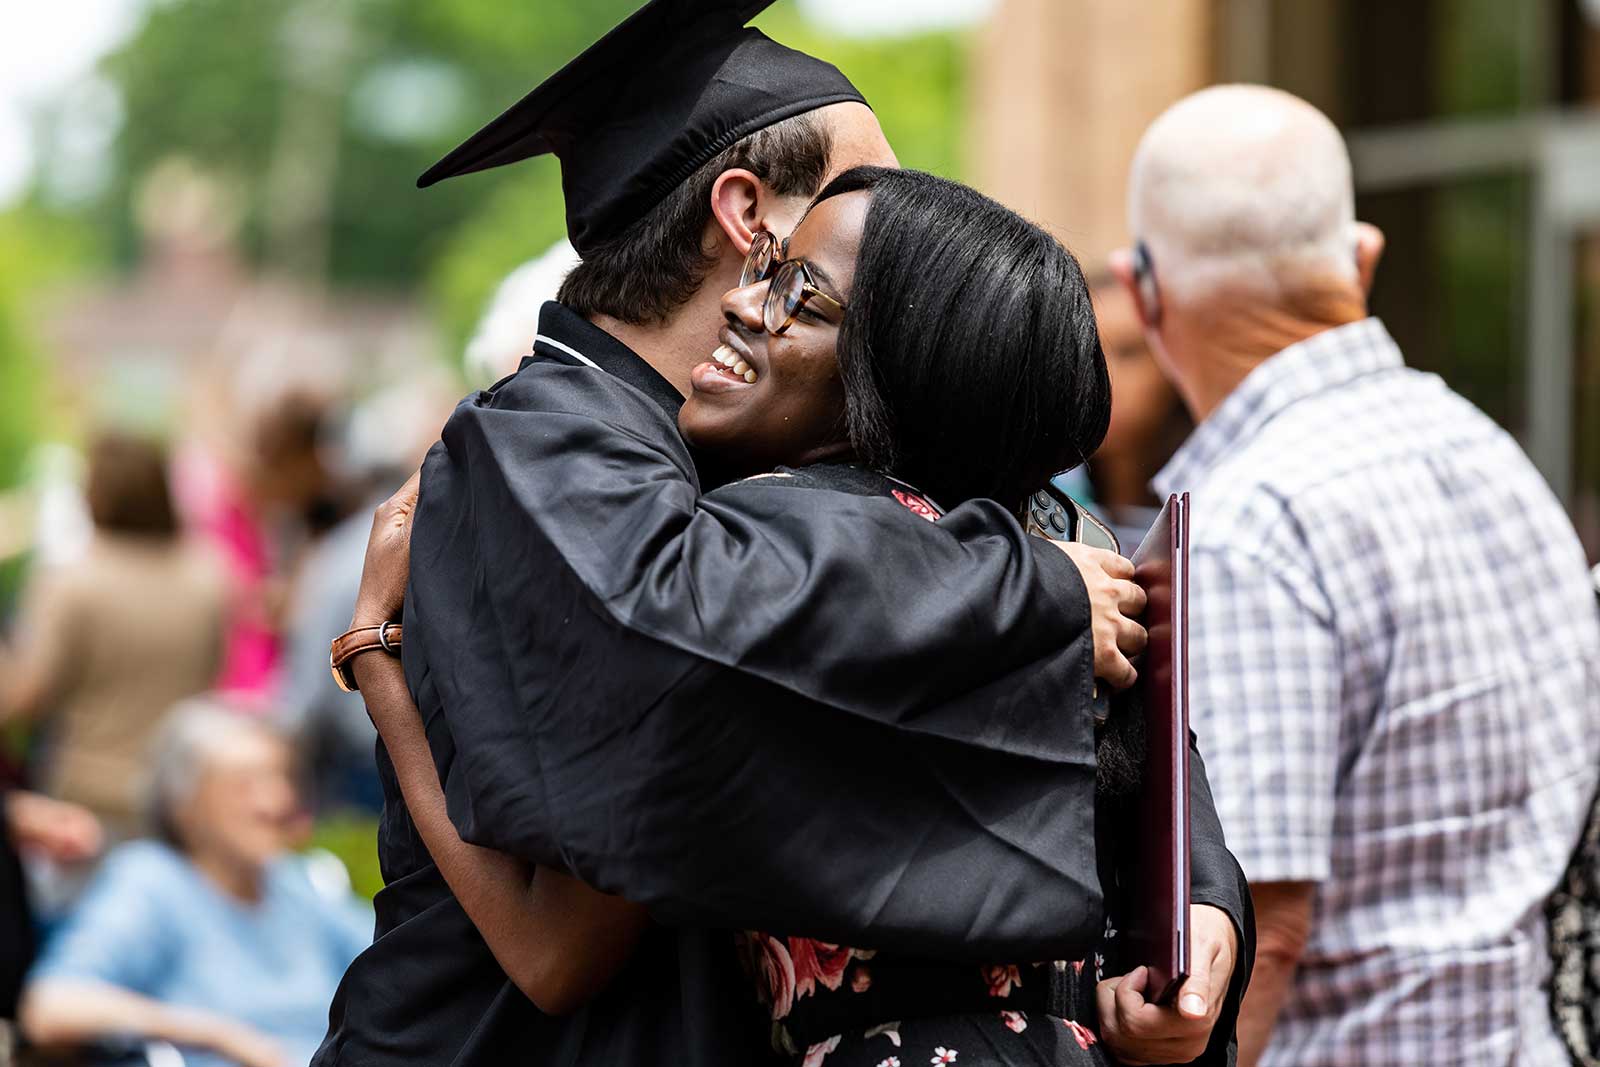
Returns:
(194,326)
(1474,127)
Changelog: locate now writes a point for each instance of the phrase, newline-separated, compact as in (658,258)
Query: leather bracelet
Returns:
(385,637)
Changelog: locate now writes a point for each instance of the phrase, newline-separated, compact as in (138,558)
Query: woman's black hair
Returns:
(969,353)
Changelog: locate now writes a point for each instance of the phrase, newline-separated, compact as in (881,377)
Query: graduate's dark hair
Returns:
(653,267)
(969,352)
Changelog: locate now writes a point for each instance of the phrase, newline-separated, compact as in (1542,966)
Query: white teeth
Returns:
(729,358)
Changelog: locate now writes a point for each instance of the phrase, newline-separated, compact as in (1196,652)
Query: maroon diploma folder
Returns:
(1159,922)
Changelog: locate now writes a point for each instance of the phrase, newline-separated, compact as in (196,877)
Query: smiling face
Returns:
(762,400)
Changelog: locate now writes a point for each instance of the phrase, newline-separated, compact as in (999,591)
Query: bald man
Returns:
(1395,657)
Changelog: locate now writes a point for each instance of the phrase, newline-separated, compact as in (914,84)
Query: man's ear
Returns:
(1120,263)
(736,207)
(1369,250)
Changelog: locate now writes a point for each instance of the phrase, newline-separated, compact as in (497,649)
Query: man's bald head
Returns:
(1242,197)
(1244,186)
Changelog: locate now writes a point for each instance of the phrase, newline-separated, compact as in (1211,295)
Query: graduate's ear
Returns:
(736,207)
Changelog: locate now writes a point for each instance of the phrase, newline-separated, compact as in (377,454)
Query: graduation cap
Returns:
(639,111)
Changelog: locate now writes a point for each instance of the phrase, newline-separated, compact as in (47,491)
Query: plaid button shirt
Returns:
(1395,679)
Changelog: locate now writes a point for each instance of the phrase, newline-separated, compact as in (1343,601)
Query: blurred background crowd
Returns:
(229,324)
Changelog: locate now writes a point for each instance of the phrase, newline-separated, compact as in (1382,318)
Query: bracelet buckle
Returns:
(386,636)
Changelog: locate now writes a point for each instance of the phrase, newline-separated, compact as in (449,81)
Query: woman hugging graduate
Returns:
(841,699)
(912,343)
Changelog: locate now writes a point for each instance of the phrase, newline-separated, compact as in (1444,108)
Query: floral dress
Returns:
(834,1006)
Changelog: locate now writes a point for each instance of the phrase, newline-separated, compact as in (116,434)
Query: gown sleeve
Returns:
(1216,878)
(679,696)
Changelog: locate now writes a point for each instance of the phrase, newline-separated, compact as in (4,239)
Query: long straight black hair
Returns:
(969,353)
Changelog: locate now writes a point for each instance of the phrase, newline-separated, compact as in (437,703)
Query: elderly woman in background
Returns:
(211,938)
(107,645)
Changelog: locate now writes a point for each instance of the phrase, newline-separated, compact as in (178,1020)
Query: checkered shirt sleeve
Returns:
(1264,701)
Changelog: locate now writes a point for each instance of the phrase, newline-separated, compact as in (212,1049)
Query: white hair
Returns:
(1242,185)
(505,333)
(193,732)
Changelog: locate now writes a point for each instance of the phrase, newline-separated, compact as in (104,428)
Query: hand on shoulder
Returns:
(387,565)
(1115,601)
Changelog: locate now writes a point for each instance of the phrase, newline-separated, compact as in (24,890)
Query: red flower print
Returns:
(943,1055)
(814,962)
(1002,979)
(917,505)
(1081,1033)
(860,979)
(1015,1021)
(818,1052)
(770,968)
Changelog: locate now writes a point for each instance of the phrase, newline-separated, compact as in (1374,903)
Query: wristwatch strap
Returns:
(350,644)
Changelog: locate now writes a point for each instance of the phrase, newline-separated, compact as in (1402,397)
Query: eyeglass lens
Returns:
(785,296)
(758,263)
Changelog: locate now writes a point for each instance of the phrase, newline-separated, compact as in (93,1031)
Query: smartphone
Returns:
(1051,513)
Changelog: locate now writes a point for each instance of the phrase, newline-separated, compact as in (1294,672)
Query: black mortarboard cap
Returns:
(649,103)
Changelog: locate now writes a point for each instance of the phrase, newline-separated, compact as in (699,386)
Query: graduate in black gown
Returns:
(645,122)
(960,413)
(429,990)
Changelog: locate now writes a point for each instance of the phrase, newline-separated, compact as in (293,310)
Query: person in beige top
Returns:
(106,645)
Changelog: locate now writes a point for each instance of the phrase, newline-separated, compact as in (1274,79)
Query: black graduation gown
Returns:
(429,993)
(814,712)
(885,778)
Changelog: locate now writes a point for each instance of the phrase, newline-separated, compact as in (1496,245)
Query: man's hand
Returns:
(1114,601)
(1138,1032)
(388,561)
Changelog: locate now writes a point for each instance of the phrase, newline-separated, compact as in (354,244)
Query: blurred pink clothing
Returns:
(216,507)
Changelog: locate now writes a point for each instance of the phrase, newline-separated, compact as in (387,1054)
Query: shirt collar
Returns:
(566,335)
(1321,362)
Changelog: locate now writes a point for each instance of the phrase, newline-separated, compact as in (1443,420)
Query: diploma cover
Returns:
(1159,930)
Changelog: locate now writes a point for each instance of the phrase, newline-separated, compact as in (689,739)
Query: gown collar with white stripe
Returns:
(568,337)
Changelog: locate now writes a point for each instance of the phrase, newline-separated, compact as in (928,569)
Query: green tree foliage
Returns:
(281,96)
(35,250)
(21,378)
(321,113)
(916,85)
